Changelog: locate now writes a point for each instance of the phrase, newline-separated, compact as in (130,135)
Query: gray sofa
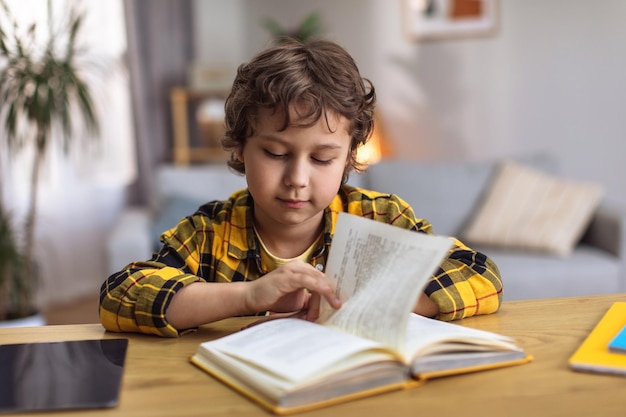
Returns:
(444,193)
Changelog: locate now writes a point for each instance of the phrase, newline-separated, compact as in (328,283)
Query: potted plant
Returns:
(42,92)
(310,27)
(15,290)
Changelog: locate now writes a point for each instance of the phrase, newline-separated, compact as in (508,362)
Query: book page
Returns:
(426,336)
(379,271)
(294,350)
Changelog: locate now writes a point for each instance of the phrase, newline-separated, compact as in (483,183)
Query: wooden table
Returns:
(159,380)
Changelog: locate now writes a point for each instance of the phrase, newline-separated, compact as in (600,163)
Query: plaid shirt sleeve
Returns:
(136,298)
(467,282)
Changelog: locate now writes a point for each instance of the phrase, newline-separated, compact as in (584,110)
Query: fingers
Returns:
(313,312)
(283,290)
(298,275)
(320,286)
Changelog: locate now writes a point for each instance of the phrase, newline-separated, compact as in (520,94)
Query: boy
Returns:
(294,119)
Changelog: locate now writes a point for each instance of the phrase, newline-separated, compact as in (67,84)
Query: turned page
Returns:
(379,270)
(426,336)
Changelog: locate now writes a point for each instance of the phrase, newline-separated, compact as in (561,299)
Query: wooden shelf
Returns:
(184,151)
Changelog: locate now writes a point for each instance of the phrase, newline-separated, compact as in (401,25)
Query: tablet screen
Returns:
(61,375)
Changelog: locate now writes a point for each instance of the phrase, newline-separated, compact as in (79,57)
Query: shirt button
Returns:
(319,267)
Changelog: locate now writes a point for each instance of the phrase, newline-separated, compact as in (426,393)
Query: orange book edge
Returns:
(407,384)
(593,354)
(306,407)
(475,368)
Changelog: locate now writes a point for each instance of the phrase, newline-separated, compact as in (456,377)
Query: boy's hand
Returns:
(293,287)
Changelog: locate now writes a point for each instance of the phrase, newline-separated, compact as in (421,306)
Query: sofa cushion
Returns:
(588,271)
(181,190)
(528,209)
(170,212)
(445,193)
(204,182)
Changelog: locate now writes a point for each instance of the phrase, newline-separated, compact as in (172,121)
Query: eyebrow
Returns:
(272,138)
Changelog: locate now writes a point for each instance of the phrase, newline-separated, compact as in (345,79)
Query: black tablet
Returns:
(61,375)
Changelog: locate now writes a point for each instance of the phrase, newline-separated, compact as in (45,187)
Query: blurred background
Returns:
(538,76)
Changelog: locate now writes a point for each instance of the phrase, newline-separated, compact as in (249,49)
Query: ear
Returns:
(239,154)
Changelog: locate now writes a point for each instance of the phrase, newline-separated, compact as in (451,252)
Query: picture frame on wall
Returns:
(427,20)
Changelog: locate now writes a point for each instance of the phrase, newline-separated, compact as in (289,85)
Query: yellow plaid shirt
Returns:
(218,244)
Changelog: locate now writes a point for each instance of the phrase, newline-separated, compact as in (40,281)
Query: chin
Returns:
(293,219)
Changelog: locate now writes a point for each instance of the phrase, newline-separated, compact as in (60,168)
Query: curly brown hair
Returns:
(318,75)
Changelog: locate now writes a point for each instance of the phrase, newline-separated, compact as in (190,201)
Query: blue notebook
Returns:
(618,343)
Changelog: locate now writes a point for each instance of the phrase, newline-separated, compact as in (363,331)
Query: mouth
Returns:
(290,203)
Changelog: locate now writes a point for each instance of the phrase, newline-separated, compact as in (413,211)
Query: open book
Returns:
(372,344)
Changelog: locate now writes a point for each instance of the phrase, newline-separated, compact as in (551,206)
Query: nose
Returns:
(296,173)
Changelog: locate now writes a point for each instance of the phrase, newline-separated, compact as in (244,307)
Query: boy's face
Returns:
(294,174)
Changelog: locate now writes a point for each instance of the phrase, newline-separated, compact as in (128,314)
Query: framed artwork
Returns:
(445,19)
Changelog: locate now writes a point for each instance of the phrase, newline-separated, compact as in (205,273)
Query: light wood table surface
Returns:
(159,381)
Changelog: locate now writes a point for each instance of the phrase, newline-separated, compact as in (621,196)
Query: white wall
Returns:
(219,32)
(553,78)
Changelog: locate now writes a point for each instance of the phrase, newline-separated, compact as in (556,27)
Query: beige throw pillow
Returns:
(529,209)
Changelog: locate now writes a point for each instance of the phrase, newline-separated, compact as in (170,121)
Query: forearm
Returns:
(425,306)
(166,304)
(201,302)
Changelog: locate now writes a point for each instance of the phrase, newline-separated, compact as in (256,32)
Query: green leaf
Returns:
(275,28)
(311,26)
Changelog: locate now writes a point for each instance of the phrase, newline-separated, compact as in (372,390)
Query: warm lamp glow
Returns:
(369,153)
(372,151)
